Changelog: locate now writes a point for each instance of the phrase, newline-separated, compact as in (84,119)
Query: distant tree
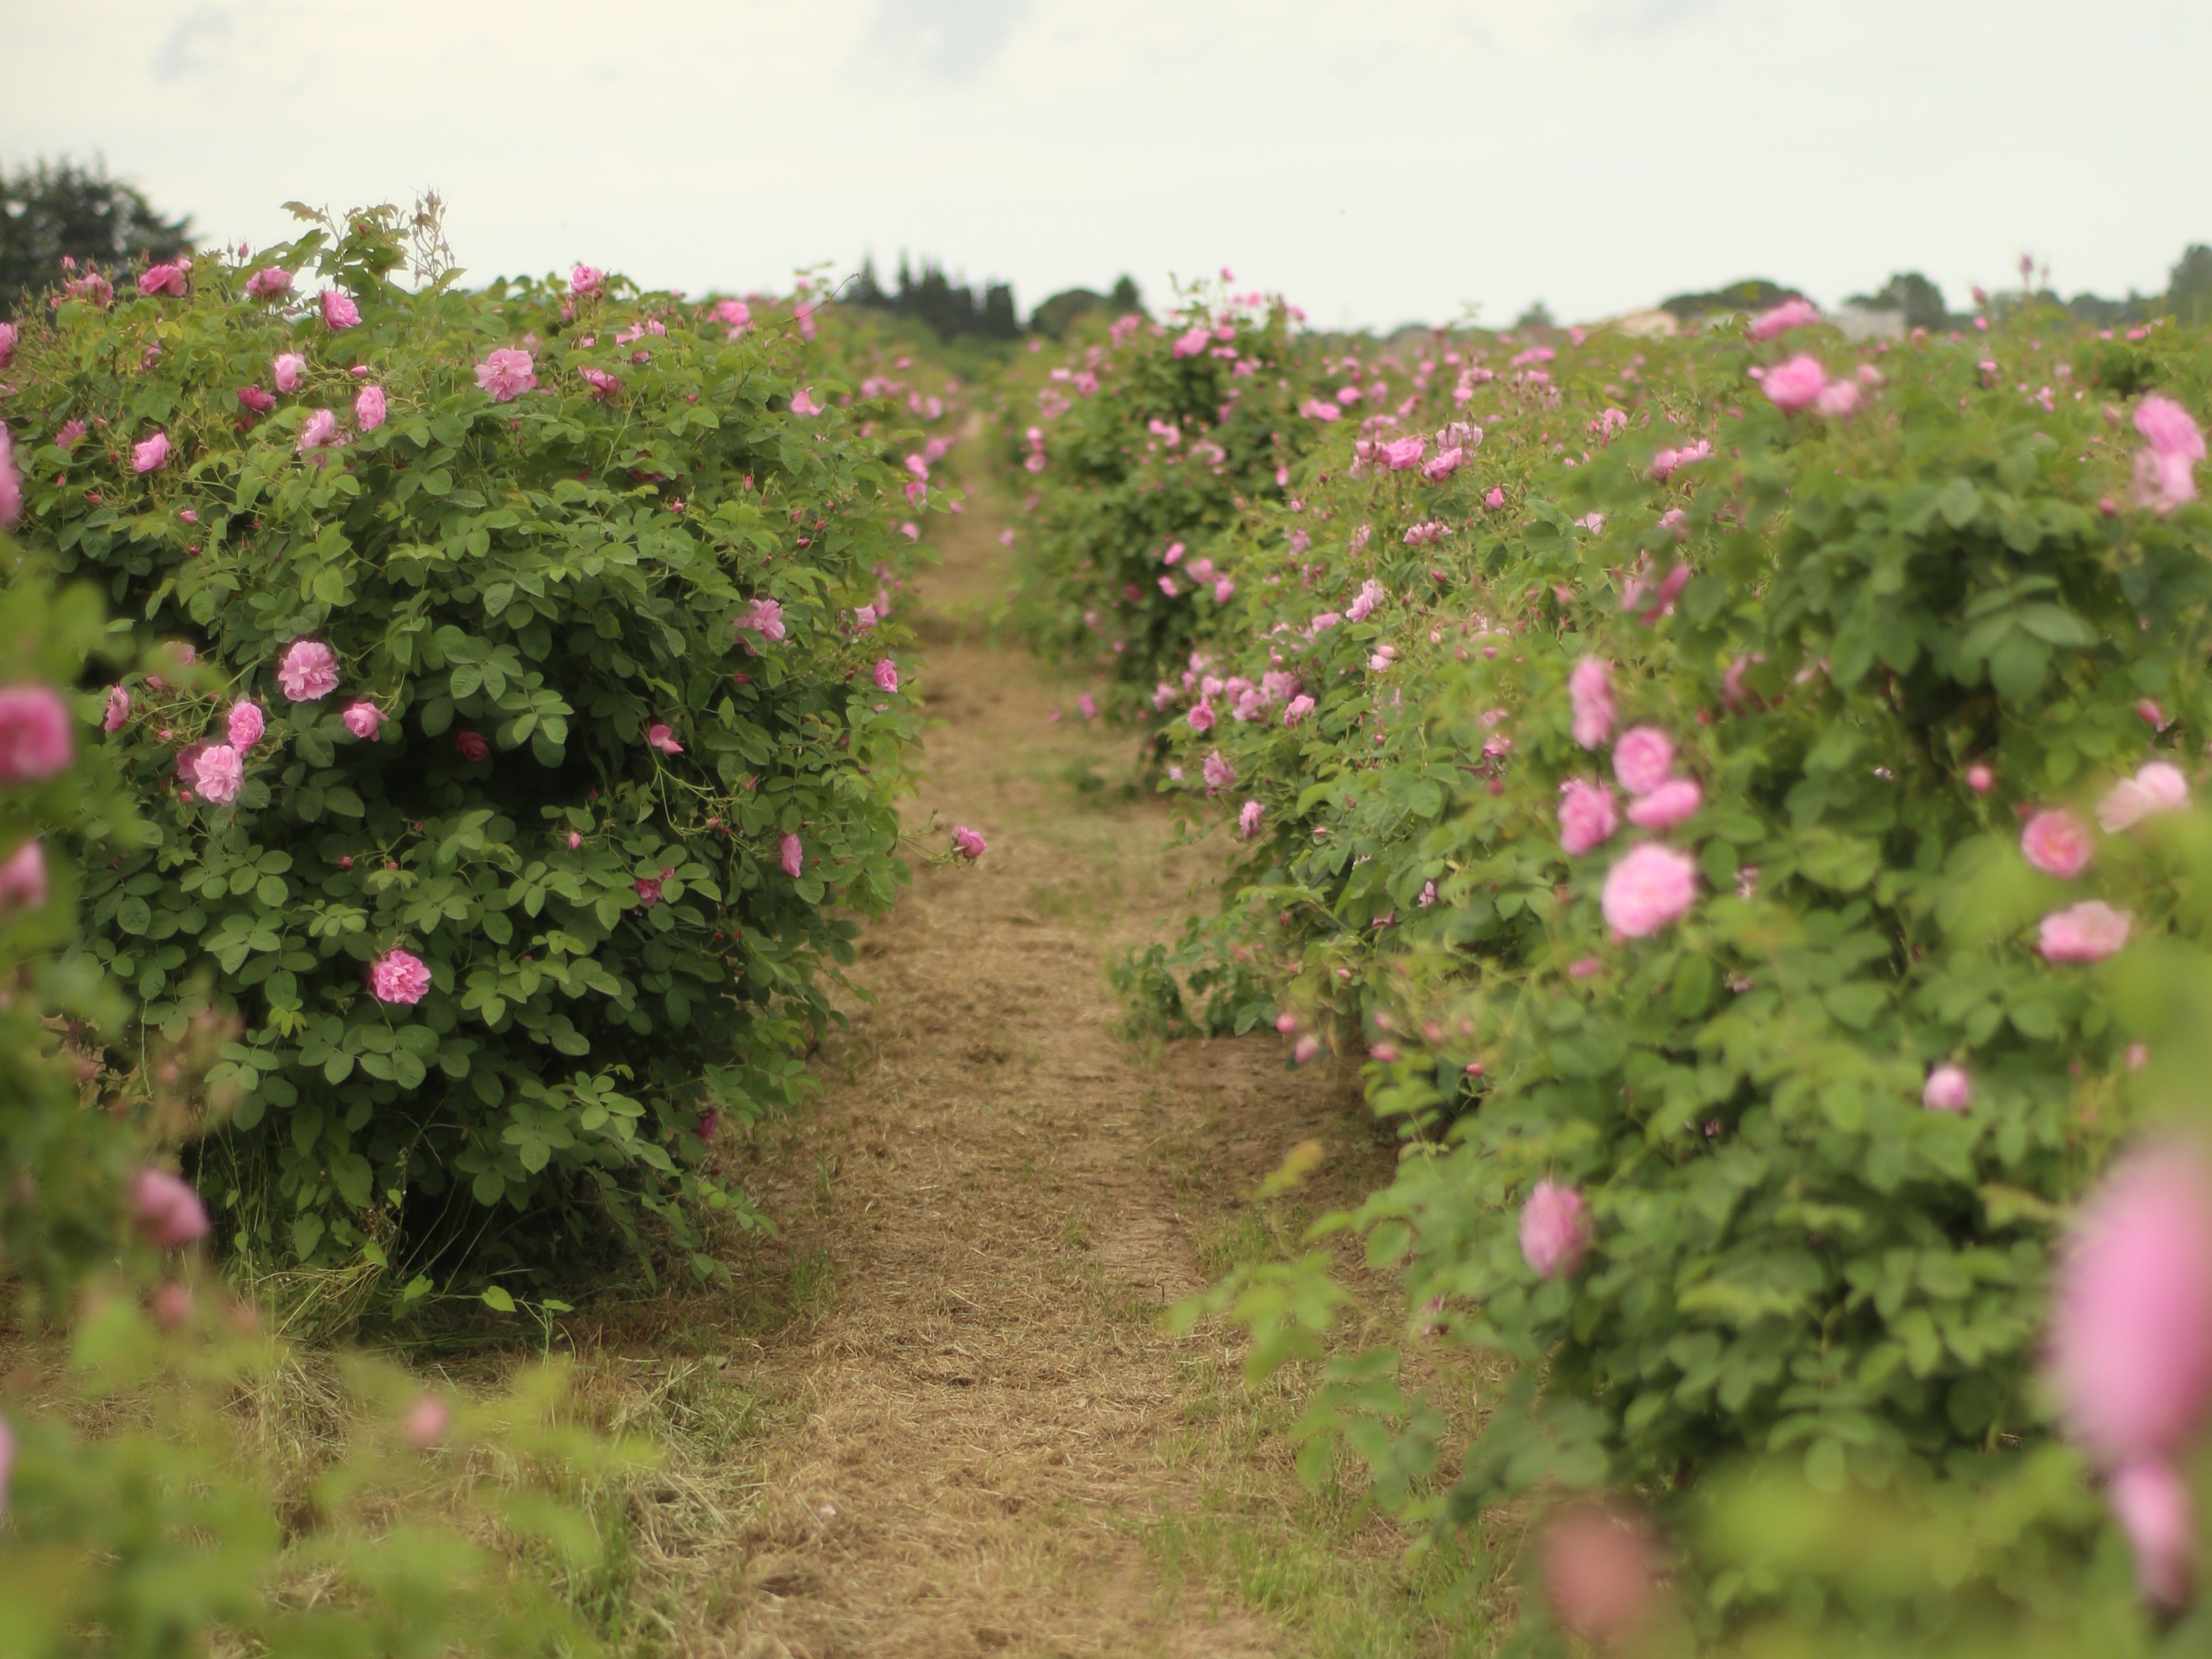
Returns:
(1054,316)
(1537,315)
(1908,291)
(1752,293)
(952,310)
(1124,294)
(52,209)
(2188,290)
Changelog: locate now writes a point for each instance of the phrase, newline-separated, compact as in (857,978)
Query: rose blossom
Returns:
(117,710)
(507,372)
(1586,816)
(308,670)
(2087,932)
(1247,819)
(2157,786)
(886,675)
(399,976)
(368,408)
(11,482)
(1948,1089)
(362,718)
(1641,759)
(1790,314)
(1590,690)
(426,1422)
(649,890)
(151,455)
(663,739)
(2168,427)
(765,618)
(1647,888)
(1601,1574)
(1554,1233)
(968,843)
(269,283)
(1793,384)
(1297,709)
(2154,1507)
(793,856)
(219,774)
(8,336)
(339,311)
(288,370)
(2056,842)
(246,724)
(35,738)
(585,279)
(163,279)
(1675,801)
(23,879)
(470,745)
(1217,772)
(802,402)
(169,1212)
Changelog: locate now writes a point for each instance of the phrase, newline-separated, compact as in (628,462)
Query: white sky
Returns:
(1378,162)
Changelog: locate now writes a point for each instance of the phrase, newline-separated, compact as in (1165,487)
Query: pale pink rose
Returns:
(2056,842)
(1643,758)
(1839,399)
(1200,716)
(287,371)
(663,739)
(36,739)
(583,279)
(1554,1232)
(1588,816)
(1493,500)
(1364,605)
(269,283)
(603,385)
(307,669)
(339,311)
(1217,772)
(1675,801)
(362,718)
(2130,1346)
(1647,888)
(219,774)
(2164,483)
(2154,1507)
(649,890)
(765,619)
(8,336)
(169,1212)
(162,279)
(426,1422)
(151,455)
(11,482)
(246,724)
(1297,709)
(319,431)
(368,408)
(864,618)
(399,976)
(23,879)
(1247,819)
(2168,427)
(1790,314)
(886,676)
(1793,384)
(2157,786)
(968,843)
(793,856)
(1948,1089)
(735,313)
(507,372)
(1590,690)
(117,710)
(1602,1574)
(2087,932)
(802,402)
(1980,779)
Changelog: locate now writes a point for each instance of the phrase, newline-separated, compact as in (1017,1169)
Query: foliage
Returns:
(1055,315)
(953,311)
(51,211)
(558,767)
(2188,290)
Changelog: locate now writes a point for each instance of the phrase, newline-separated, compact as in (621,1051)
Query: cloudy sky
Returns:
(1378,163)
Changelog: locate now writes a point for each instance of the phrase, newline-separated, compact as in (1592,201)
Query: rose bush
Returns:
(532,772)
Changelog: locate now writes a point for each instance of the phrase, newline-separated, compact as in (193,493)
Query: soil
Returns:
(966,1437)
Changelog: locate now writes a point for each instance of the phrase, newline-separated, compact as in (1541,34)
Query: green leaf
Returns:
(497,1299)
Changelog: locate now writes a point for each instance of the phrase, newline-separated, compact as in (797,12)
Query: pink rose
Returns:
(2087,932)
(802,402)
(765,618)
(1247,819)
(362,718)
(2157,786)
(584,279)
(1839,399)
(735,313)
(2164,483)
(864,618)
(968,843)
(151,455)
(269,283)
(470,745)
(1643,758)
(507,372)
(1217,772)
(1297,709)
(308,670)
(793,856)
(246,724)
(1790,314)
(1948,1089)
(219,774)
(162,279)
(399,976)
(427,1421)
(1794,384)
(2154,1507)
(318,433)
(1647,888)
(1553,1230)
(603,385)
(1602,1574)
(1200,716)
(36,740)
(11,482)
(368,408)
(23,879)
(339,311)
(1590,690)
(649,890)
(169,1212)
(1675,801)
(663,739)
(255,400)
(8,336)
(2056,842)
(1494,499)
(117,710)
(887,677)
(288,370)
(2168,427)
(1586,816)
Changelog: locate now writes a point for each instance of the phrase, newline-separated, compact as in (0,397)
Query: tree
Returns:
(1910,292)
(934,298)
(1752,293)
(53,209)
(2189,290)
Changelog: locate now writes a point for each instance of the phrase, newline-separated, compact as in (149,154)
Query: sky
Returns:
(1378,164)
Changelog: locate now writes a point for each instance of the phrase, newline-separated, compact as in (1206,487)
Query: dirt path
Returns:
(976,1444)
